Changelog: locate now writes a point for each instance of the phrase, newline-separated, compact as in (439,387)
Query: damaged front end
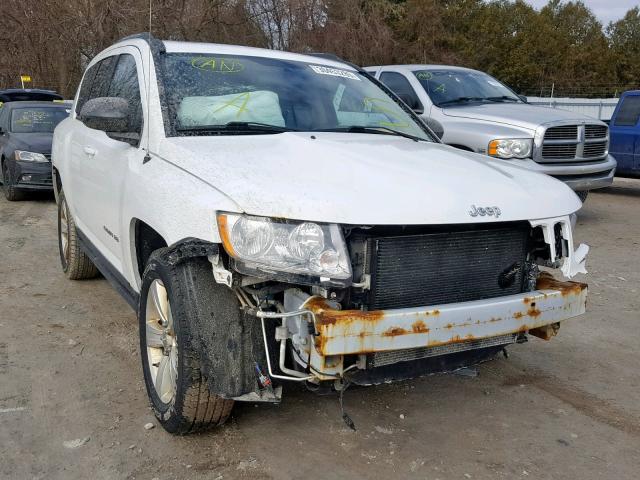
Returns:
(426,299)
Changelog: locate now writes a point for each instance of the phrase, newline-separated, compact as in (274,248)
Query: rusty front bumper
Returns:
(357,332)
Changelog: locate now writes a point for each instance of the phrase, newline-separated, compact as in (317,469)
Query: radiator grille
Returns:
(446,267)
(564,132)
(595,131)
(594,149)
(380,359)
(559,151)
(573,143)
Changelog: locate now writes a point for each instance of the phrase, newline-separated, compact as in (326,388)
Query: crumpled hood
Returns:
(33,142)
(365,179)
(516,114)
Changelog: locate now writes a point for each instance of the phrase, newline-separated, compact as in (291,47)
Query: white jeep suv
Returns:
(277,217)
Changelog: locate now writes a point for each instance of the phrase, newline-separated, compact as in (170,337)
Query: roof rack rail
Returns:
(155,43)
(141,36)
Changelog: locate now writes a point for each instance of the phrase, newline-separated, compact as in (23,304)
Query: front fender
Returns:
(173,202)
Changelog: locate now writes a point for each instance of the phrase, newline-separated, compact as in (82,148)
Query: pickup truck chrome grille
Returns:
(564,132)
(457,265)
(572,143)
(559,151)
(594,149)
(595,131)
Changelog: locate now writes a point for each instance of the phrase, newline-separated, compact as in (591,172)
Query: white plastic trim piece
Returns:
(575,261)
(220,274)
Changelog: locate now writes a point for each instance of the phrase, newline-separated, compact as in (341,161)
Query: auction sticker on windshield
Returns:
(336,72)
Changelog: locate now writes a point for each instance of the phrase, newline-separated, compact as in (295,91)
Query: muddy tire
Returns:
(178,391)
(582,195)
(11,193)
(75,263)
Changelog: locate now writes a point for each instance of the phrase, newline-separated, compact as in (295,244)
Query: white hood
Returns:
(365,179)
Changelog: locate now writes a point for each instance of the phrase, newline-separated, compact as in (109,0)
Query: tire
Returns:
(183,405)
(10,191)
(75,263)
(582,195)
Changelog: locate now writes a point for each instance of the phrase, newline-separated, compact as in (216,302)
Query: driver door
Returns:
(105,162)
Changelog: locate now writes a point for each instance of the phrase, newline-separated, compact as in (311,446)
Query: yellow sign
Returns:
(25,78)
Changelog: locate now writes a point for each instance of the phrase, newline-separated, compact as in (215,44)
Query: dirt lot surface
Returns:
(73,406)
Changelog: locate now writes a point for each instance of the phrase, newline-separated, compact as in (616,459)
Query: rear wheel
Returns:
(582,195)
(8,185)
(178,391)
(75,263)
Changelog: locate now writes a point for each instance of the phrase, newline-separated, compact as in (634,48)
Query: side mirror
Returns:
(411,102)
(523,98)
(110,115)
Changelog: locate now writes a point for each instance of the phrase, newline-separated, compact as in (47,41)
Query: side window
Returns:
(399,85)
(85,88)
(96,82)
(629,112)
(100,84)
(124,84)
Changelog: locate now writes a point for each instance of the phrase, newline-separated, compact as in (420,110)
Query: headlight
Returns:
(511,148)
(30,156)
(260,244)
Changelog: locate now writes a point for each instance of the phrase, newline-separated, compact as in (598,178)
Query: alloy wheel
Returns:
(162,343)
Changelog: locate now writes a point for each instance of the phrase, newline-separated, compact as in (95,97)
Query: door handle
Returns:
(90,151)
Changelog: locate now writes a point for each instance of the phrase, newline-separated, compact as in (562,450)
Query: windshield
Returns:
(37,119)
(450,87)
(237,92)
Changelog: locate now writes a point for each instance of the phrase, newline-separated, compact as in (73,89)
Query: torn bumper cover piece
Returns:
(359,332)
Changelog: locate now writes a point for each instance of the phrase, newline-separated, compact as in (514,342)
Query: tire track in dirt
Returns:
(586,403)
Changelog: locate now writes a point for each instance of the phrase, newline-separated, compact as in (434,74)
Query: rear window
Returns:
(629,112)
(37,120)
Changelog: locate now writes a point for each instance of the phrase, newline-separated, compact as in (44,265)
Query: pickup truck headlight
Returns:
(511,148)
(30,156)
(262,244)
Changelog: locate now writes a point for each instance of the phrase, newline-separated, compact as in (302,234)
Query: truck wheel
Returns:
(178,391)
(582,195)
(75,263)
(10,191)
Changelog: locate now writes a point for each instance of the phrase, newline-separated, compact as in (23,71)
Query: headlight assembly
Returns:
(274,246)
(511,148)
(30,156)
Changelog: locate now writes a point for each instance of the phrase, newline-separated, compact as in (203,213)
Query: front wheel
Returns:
(178,391)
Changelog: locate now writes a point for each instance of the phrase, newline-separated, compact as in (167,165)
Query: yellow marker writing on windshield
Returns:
(243,98)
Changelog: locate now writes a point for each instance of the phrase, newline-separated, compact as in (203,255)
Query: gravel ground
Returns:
(73,406)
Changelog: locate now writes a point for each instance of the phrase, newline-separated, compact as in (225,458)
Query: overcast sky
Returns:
(605,10)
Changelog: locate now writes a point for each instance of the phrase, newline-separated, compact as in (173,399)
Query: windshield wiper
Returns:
(461,100)
(235,127)
(371,129)
(503,98)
